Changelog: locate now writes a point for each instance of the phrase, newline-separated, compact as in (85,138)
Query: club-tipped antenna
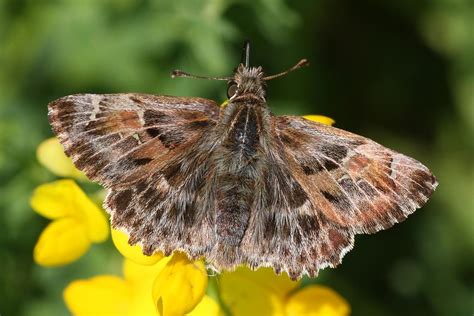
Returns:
(179,73)
(300,64)
(245,60)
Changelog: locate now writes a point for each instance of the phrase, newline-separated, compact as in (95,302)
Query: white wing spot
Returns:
(95,107)
(137,137)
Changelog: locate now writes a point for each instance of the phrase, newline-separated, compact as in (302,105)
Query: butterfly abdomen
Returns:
(239,165)
(233,209)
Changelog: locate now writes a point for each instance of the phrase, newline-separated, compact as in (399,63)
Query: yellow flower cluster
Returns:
(262,292)
(172,286)
(175,286)
(155,285)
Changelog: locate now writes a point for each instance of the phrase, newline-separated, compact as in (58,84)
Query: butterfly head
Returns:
(247,82)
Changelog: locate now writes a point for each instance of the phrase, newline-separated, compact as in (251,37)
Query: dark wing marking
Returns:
(170,209)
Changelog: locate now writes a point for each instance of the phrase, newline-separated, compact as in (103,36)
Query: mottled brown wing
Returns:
(354,181)
(151,152)
(324,185)
(117,138)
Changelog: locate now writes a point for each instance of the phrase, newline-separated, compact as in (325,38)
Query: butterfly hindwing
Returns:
(286,231)
(170,209)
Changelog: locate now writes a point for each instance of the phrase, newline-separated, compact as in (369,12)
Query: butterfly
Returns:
(236,184)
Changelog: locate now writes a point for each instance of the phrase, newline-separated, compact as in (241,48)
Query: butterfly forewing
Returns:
(118,138)
(352,180)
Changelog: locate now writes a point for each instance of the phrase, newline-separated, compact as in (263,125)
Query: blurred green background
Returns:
(399,72)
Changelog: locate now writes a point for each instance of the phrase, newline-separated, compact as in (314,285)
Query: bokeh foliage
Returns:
(400,72)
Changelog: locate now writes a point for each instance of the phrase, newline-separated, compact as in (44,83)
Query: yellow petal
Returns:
(207,307)
(180,286)
(321,119)
(65,198)
(101,295)
(140,278)
(50,154)
(140,273)
(280,285)
(317,300)
(54,200)
(111,295)
(133,253)
(61,242)
(246,292)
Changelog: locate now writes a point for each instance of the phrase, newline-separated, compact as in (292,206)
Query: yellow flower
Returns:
(316,300)
(180,284)
(135,293)
(77,222)
(320,119)
(133,253)
(51,155)
(262,292)
(113,295)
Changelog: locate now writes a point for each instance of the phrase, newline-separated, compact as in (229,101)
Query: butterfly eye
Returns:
(231,89)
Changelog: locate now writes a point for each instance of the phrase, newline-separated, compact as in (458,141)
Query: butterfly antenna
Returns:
(245,60)
(300,64)
(179,73)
